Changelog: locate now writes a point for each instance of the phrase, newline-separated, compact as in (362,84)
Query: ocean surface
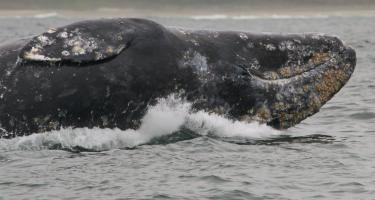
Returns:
(176,154)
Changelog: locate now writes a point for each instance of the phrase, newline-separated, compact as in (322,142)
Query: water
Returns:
(179,154)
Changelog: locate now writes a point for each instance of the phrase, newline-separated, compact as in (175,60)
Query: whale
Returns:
(106,72)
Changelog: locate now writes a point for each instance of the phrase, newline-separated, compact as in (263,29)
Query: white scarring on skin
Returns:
(250,45)
(63,35)
(200,62)
(40,57)
(196,43)
(65,53)
(216,34)
(196,60)
(270,47)
(284,45)
(317,36)
(243,36)
(74,43)
(34,54)
(81,45)
(44,40)
(254,64)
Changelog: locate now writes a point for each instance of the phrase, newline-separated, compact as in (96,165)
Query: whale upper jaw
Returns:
(290,99)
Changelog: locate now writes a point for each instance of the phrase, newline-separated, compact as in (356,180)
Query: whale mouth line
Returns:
(294,70)
(290,100)
(299,74)
(314,66)
(285,80)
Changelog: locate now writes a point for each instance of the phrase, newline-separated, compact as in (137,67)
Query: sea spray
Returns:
(213,124)
(168,116)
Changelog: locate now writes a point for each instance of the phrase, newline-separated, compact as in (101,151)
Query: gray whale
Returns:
(104,73)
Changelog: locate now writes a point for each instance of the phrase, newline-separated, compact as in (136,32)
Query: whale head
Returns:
(294,76)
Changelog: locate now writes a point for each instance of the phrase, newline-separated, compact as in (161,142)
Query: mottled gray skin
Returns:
(104,73)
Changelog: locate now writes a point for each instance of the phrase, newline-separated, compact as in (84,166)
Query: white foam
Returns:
(166,117)
(210,123)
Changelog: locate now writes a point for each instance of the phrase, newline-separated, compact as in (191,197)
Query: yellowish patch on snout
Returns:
(319,58)
(332,81)
(285,72)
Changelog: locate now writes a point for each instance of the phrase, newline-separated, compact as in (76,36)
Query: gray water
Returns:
(330,155)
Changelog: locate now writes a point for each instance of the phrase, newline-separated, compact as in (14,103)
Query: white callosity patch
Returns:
(169,115)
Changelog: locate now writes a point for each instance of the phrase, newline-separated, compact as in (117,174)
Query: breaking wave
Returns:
(170,120)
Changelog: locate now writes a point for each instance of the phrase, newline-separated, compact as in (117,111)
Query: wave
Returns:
(170,120)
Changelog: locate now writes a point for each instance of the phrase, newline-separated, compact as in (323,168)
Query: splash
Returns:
(216,125)
(168,116)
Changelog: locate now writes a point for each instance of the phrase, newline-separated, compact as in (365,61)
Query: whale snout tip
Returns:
(346,52)
(348,63)
(350,56)
(350,53)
